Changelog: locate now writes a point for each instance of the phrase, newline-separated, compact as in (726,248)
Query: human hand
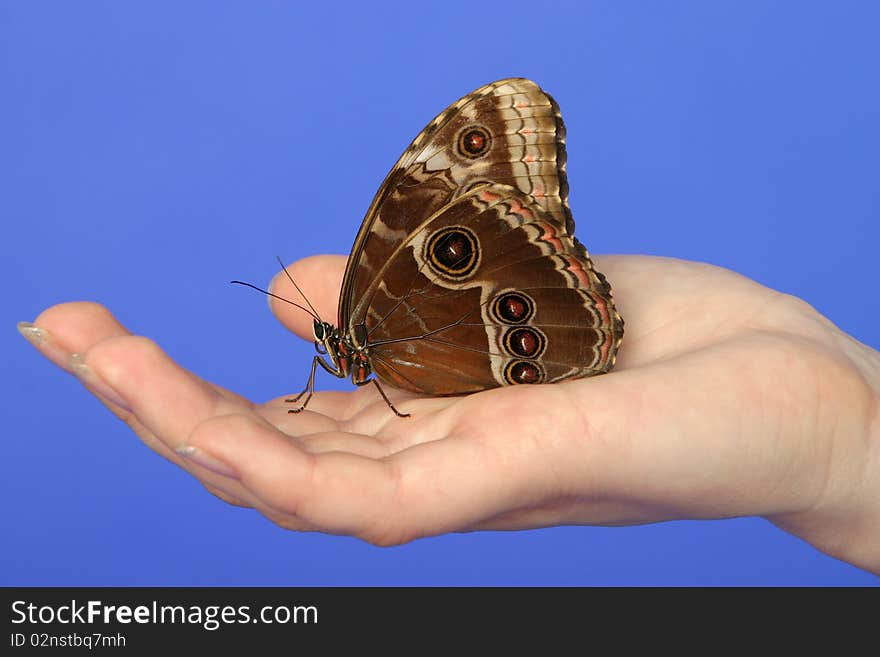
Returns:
(728,399)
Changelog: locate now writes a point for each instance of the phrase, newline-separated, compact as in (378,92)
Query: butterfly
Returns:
(465,274)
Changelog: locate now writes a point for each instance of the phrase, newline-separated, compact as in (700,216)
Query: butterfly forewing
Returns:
(523,146)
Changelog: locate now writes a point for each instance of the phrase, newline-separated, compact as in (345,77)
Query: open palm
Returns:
(728,399)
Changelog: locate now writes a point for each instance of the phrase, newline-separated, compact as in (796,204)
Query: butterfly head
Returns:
(326,336)
(340,351)
(321,330)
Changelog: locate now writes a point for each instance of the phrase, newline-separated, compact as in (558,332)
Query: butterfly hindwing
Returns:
(487,292)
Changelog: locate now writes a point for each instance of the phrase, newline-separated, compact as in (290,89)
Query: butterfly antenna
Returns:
(314,312)
(275,296)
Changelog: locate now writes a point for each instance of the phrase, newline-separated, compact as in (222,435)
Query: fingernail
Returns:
(199,457)
(33,334)
(85,374)
(42,340)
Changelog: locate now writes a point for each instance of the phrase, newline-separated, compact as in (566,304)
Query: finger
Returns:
(69,328)
(64,332)
(81,327)
(320,279)
(74,328)
(351,443)
(248,502)
(286,521)
(322,413)
(68,332)
(234,498)
(227,497)
(159,400)
(230,491)
(169,400)
(361,410)
(227,487)
(293,485)
(433,487)
(373,431)
(216,479)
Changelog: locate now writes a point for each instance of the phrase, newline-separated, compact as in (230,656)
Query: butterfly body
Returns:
(346,358)
(465,274)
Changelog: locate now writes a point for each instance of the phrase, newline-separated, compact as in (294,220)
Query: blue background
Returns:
(152,151)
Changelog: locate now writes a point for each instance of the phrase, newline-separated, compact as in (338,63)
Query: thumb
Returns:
(319,278)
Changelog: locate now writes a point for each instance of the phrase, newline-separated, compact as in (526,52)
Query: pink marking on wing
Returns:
(539,191)
(518,208)
(603,350)
(529,158)
(520,105)
(525,131)
(486,195)
(577,269)
(602,307)
(550,236)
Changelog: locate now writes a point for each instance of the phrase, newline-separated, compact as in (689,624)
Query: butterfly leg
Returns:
(310,388)
(384,396)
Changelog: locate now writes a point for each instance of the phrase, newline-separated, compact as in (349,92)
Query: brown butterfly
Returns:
(465,274)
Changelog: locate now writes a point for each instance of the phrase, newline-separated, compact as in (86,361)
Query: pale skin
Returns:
(728,399)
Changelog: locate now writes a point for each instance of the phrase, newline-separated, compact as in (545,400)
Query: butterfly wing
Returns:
(489,292)
(509,132)
(465,274)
